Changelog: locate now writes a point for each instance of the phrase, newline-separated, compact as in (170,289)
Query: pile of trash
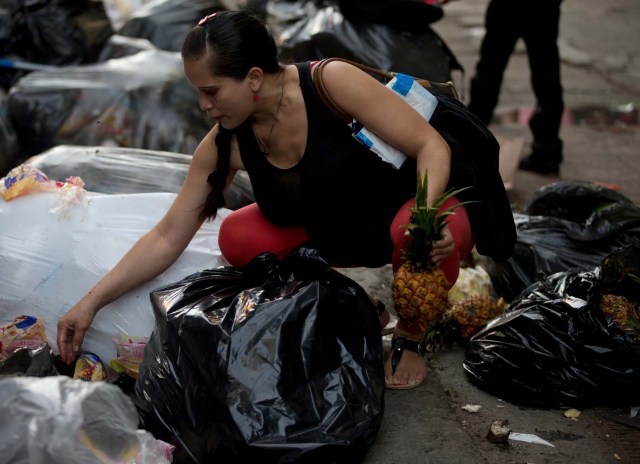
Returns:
(283,357)
(109,73)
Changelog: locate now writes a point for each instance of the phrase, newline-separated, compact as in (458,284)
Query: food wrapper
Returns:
(130,352)
(22,332)
(90,368)
(24,179)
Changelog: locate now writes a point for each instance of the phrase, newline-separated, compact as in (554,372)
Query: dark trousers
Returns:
(537,23)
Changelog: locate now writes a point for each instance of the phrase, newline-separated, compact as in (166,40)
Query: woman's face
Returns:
(225,99)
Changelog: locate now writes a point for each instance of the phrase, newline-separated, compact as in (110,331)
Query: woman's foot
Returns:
(410,367)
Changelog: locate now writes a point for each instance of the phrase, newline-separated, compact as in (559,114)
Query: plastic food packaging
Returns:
(89,367)
(24,179)
(22,332)
(130,353)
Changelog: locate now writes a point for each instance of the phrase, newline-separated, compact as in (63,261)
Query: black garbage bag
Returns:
(567,225)
(165,23)
(52,32)
(324,32)
(138,101)
(405,15)
(280,362)
(117,170)
(8,138)
(556,347)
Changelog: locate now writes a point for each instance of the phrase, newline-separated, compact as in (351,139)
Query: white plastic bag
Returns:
(419,98)
(48,262)
(59,420)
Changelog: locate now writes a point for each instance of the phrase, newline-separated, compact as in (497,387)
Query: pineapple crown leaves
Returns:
(426,222)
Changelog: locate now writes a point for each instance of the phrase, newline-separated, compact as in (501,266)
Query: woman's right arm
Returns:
(152,254)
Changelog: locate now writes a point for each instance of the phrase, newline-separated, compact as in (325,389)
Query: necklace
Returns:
(265,146)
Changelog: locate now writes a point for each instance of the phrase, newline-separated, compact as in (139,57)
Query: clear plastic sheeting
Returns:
(8,138)
(562,344)
(280,361)
(119,46)
(568,225)
(49,261)
(165,23)
(140,101)
(117,170)
(58,420)
(325,33)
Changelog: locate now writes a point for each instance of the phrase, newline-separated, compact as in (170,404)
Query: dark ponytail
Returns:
(218,178)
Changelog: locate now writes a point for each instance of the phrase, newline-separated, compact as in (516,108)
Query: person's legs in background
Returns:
(541,38)
(502,32)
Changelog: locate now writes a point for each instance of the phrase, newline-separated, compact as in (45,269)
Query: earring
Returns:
(256,98)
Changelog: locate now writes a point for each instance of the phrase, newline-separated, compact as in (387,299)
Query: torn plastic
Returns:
(554,347)
(51,32)
(29,360)
(48,262)
(278,362)
(9,147)
(25,179)
(130,170)
(119,46)
(140,101)
(567,225)
(325,32)
(56,420)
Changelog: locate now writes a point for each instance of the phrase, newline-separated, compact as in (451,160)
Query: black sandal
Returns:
(387,329)
(398,345)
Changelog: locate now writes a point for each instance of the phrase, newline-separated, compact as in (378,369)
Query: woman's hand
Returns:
(71,329)
(444,247)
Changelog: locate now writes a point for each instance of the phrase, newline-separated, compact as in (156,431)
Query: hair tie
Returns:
(206,19)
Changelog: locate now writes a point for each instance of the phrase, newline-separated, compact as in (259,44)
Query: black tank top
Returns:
(343,194)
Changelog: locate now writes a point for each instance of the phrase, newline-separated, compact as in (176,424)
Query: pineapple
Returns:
(623,313)
(420,289)
(474,312)
(462,321)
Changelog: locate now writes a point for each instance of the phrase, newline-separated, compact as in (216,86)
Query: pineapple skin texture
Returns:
(474,312)
(420,297)
(623,313)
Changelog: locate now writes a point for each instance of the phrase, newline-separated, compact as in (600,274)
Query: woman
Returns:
(311,179)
